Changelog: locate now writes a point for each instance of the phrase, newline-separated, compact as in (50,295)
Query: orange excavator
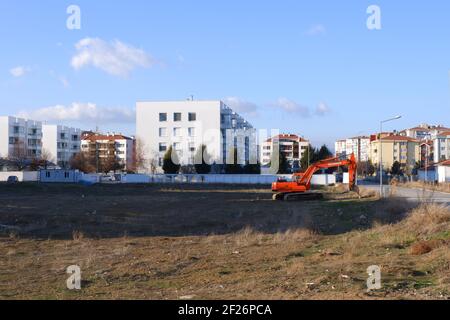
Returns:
(300,186)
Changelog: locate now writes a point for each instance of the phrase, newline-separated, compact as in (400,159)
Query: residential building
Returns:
(291,145)
(423,131)
(359,146)
(395,148)
(426,153)
(441,146)
(109,148)
(20,138)
(61,143)
(186,125)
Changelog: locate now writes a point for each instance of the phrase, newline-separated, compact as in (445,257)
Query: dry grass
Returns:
(314,250)
(439,187)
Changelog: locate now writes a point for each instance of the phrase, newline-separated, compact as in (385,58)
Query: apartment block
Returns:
(20,138)
(423,131)
(62,143)
(441,146)
(186,125)
(395,148)
(293,147)
(359,146)
(109,148)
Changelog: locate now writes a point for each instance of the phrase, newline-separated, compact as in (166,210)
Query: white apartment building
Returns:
(107,147)
(359,146)
(292,145)
(62,143)
(424,131)
(186,125)
(441,146)
(20,138)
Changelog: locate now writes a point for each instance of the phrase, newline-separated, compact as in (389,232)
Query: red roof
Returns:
(111,137)
(398,138)
(444,163)
(292,137)
(444,133)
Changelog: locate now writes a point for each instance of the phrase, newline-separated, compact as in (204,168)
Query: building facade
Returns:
(291,145)
(359,146)
(396,148)
(20,138)
(186,125)
(441,146)
(61,143)
(424,131)
(108,149)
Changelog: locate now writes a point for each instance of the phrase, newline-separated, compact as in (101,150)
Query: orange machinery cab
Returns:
(284,186)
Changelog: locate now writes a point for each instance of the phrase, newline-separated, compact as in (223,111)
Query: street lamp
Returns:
(381,152)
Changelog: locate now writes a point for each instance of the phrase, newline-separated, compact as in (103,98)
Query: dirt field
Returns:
(221,242)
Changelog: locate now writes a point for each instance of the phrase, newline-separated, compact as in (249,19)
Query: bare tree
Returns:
(138,160)
(83,162)
(19,155)
(46,158)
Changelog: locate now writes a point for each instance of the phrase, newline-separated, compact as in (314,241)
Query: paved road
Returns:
(414,194)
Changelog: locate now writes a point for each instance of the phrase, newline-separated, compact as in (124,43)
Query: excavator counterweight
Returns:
(300,186)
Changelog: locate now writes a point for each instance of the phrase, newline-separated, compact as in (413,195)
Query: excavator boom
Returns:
(300,186)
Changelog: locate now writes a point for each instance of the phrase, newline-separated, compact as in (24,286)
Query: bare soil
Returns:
(216,242)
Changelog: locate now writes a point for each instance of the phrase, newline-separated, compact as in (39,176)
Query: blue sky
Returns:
(306,67)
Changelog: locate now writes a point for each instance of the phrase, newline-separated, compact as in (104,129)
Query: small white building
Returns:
(20,138)
(186,125)
(440,173)
(62,143)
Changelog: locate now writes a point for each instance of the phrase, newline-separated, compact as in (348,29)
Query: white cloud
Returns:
(299,110)
(19,71)
(241,106)
(293,107)
(115,58)
(316,30)
(81,112)
(322,109)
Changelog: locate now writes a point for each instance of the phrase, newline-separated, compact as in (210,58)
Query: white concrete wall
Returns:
(4,137)
(221,178)
(23,176)
(49,141)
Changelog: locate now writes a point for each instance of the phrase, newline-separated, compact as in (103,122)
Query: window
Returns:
(177,146)
(191,146)
(177,117)
(177,132)
(162,147)
(163,132)
(162,117)
(191,132)
(160,162)
(192,116)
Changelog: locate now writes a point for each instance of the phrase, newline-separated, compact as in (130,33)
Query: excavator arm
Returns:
(300,185)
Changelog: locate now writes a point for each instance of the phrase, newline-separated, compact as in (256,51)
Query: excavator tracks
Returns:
(304,196)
